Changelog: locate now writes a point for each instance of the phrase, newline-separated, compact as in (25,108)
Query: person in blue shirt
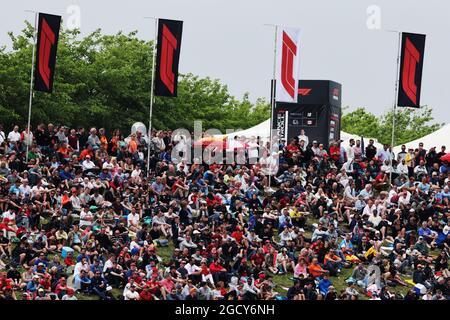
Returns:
(209,176)
(83,255)
(15,188)
(202,186)
(40,268)
(105,175)
(41,259)
(284,221)
(424,186)
(158,186)
(82,281)
(443,168)
(98,285)
(366,193)
(360,203)
(444,194)
(426,232)
(33,285)
(97,265)
(65,174)
(346,244)
(324,284)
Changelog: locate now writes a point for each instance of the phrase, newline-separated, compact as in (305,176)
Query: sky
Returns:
(347,41)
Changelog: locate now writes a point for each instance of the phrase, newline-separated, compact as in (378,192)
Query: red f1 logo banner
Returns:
(168,56)
(47,45)
(413,49)
(288,62)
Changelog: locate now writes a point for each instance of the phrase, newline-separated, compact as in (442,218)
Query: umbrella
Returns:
(206,141)
(446,157)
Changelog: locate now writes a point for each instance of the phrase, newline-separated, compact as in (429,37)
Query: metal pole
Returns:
(31,83)
(395,102)
(273,101)
(151,97)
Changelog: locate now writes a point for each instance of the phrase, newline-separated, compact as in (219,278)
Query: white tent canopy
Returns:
(263,130)
(436,139)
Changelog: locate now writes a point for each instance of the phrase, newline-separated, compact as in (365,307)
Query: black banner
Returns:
(47,45)
(168,56)
(411,65)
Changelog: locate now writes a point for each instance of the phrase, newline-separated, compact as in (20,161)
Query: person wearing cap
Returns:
(33,285)
(40,268)
(422,246)
(132,293)
(70,295)
(88,165)
(82,281)
(41,295)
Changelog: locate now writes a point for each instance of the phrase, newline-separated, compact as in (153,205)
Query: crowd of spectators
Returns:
(82,217)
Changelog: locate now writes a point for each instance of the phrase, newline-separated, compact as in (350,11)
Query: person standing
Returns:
(410,161)
(371,150)
(303,137)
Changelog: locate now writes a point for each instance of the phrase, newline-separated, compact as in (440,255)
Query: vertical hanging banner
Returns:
(168,56)
(287,65)
(411,66)
(47,45)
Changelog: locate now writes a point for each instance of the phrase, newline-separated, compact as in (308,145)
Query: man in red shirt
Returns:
(218,271)
(335,152)
(292,148)
(237,234)
(146,294)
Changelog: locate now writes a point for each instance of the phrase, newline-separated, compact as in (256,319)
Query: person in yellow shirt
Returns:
(409,160)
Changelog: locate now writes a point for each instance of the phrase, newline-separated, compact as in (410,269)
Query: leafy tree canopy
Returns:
(410,124)
(105,80)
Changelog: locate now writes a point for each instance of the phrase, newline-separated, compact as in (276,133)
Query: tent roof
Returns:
(436,139)
(263,130)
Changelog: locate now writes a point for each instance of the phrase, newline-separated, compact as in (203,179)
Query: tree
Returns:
(410,124)
(105,80)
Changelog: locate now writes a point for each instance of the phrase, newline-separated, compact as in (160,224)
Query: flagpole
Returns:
(273,100)
(395,101)
(151,95)
(30,103)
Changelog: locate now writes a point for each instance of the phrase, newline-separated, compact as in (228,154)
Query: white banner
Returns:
(288,64)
